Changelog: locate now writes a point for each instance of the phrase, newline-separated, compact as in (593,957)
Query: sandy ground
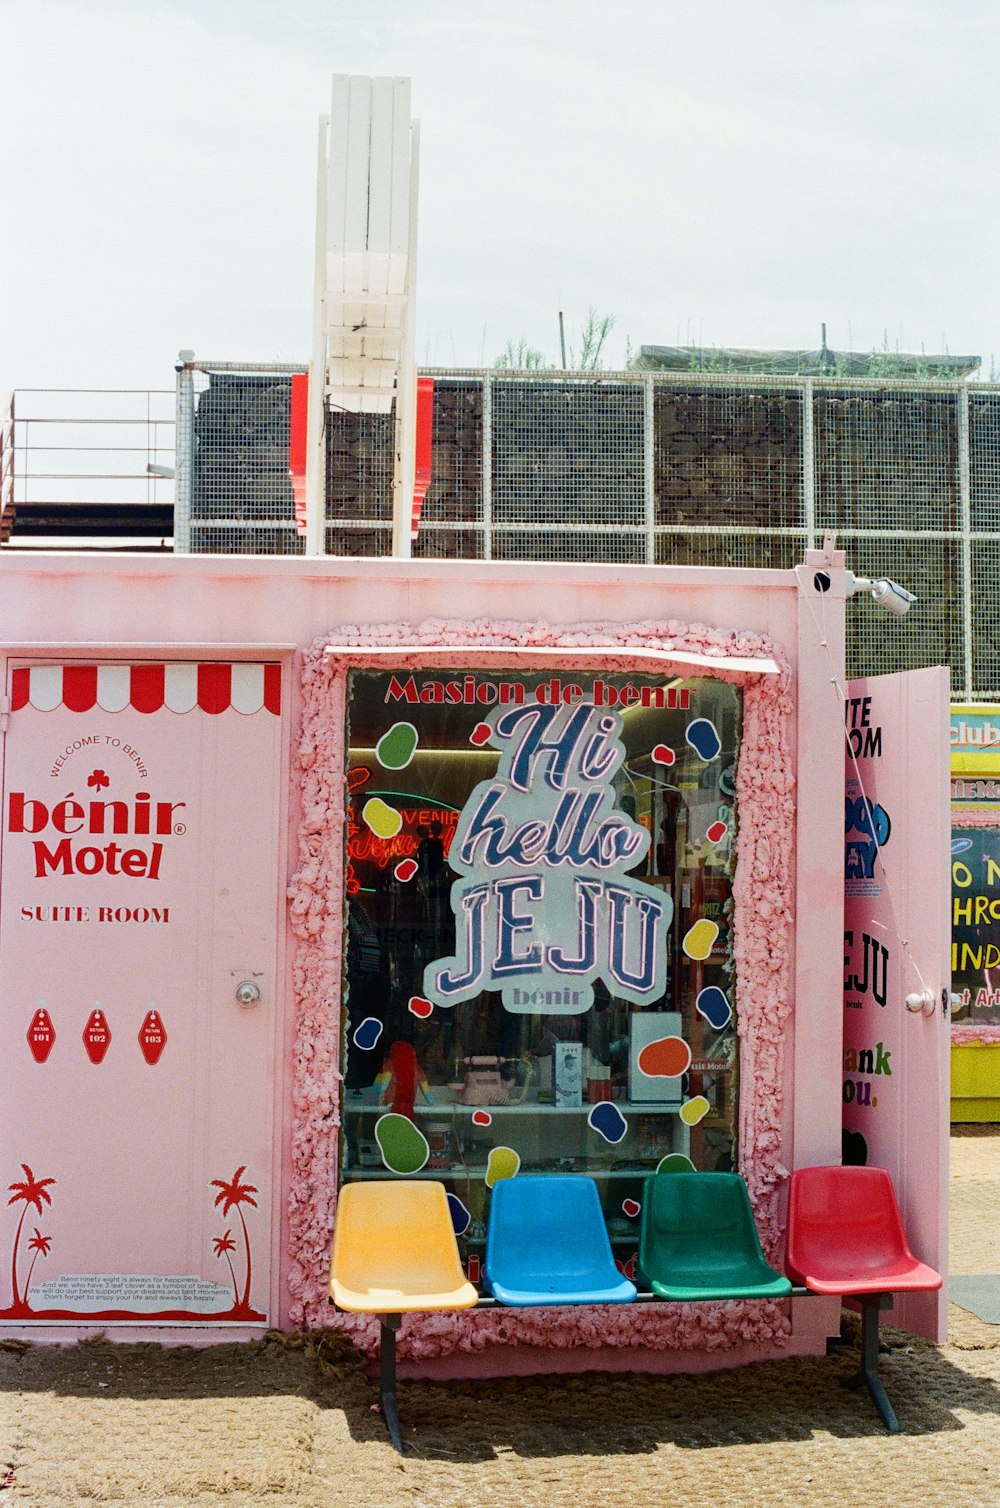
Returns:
(288,1421)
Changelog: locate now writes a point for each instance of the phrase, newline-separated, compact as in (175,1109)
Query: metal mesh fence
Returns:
(984,467)
(759,551)
(639,467)
(568,453)
(886,457)
(984,596)
(608,547)
(237,496)
(931,633)
(725,455)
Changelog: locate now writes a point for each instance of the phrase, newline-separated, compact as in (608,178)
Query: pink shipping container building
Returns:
(316,869)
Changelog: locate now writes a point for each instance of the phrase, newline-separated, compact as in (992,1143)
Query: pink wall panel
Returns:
(139,857)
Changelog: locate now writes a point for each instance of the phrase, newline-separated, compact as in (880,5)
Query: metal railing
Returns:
(88,468)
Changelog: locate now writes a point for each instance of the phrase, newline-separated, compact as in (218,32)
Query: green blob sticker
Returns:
(675,1162)
(396,748)
(404,1148)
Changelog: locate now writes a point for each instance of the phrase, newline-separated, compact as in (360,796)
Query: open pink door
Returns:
(897,946)
(139,859)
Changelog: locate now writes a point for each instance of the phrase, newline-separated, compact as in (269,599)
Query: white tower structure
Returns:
(363,356)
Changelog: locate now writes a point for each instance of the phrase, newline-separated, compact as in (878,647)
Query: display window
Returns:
(538,955)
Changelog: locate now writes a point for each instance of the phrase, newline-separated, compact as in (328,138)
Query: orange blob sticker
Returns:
(667,1058)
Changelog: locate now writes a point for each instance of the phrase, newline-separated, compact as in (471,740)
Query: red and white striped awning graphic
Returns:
(180,687)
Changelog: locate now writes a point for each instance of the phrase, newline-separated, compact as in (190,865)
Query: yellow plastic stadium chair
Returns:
(395,1252)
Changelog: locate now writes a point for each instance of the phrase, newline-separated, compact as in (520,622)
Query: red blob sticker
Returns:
(663,754)
(41,1035)
(405,870)
(420,1007)
(480,734)
(482,1118)
(97,1036)
(631,1207)
(716,832)
(666,1058)
(152,1037)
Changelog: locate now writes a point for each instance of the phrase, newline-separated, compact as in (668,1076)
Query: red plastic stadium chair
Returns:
(845,1236)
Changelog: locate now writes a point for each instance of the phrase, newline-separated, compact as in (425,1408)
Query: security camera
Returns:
(893,597)
(888,594)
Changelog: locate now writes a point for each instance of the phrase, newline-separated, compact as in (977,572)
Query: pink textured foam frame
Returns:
(762,921)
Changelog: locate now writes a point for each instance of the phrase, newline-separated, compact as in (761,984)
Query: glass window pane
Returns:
(538,967)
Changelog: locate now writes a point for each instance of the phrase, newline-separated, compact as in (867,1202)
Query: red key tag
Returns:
(152,1036)
(97,1035)
(41,1035)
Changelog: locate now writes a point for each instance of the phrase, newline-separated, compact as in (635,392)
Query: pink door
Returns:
(897,947)
(139,900)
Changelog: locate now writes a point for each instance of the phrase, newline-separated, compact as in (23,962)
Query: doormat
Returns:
(979,1294)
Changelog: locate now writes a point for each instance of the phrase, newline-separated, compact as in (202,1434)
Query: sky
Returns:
(709,172)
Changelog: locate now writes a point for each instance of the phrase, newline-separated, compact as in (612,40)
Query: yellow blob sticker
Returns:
(503,1163)
(699,939)
(384,820)
(695,1110)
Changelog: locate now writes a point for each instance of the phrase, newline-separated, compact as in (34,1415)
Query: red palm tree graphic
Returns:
(231,1196)
(40,1245)
(33,1191)
(223,1246)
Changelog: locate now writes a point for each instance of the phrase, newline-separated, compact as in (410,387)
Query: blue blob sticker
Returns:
(607,1120)
(366,1035)
(460,1217)
(713,1005)
(703,738)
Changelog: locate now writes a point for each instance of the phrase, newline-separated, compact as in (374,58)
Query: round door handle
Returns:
(922,1001)
(248,993)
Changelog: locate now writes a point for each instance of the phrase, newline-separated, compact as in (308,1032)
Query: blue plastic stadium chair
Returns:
(547,1244)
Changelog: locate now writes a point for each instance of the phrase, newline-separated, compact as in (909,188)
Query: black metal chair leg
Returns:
(387,1378)
(868,1376)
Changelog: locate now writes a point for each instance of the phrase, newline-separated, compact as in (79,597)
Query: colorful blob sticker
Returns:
(480,734)
(631,1208)
(396,748)
(418,1006)
(503,1163)
(461,1219)
(404,1148)
(367,1033)
(384,820)
(482,1118)
(405,870)
(699,939)
(713,1005)
(666,1058)
(703,738)
(607,1120)
(675,1162)
(41,1035)
(695,1110)
(717,832)
(663,754)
